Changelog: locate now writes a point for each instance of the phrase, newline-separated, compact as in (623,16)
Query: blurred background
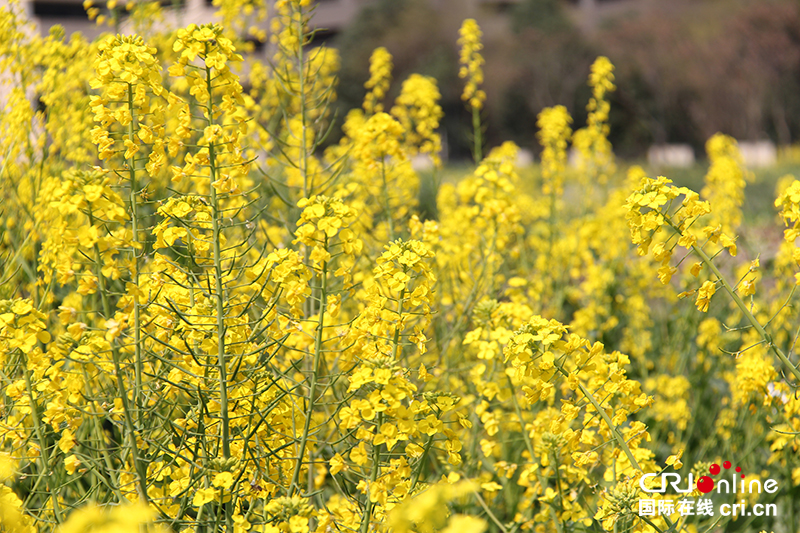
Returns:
(685,68)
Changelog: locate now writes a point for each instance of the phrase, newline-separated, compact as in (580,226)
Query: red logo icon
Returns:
(705,484)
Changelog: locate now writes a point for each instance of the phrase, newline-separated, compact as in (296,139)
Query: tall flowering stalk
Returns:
(303,80)
(554,135)
(472,71)
(205,58)
(591,141)
(324,228)
(380,78)
(130,78)
(725,182)
(418,111)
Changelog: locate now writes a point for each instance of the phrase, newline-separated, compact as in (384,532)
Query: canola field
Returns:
(211,320)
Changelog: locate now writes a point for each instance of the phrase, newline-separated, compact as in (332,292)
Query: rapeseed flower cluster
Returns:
(212,320)
(471,63)
(554,135)
(591,142)
(471,70)
(380,78)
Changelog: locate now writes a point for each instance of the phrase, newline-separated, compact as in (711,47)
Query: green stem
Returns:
(373,477)
(489,513)
(218,285)
(418,470)
(303,164)
(790,499)
(312,393)
(558,484)
(101,445)
(137,344)
(37,426)
(397,348)
(477,134)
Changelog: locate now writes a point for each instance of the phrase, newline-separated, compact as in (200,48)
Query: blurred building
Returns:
(67,13)
(331,16)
